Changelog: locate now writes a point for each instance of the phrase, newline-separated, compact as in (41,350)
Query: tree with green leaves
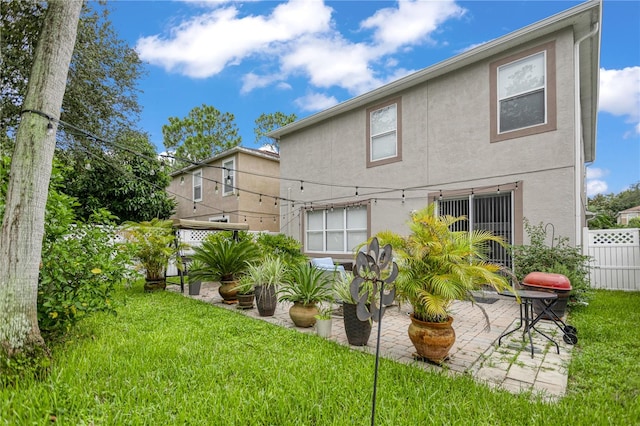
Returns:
(269,122)
(204,132)
(607,206)
(128,180)
(101,87)
(22,229)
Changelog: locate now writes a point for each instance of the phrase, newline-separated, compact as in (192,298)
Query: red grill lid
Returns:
(547,280)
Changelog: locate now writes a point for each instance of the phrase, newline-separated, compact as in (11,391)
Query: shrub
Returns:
(559,258)
(80,270)
(283,246)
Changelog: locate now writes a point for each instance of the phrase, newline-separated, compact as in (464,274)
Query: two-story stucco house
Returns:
(239,185)
(498,133)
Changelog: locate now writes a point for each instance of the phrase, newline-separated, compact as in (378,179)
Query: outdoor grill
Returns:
(552,310)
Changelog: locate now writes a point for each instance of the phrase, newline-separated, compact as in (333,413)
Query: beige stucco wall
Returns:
(250,179)
(446,146)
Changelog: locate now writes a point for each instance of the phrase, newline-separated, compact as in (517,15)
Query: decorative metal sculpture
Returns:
(377,268)
(371,266)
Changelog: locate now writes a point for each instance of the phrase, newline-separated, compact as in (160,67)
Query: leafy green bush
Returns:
(80,270)
(283,246)
(559,258)
(81,263)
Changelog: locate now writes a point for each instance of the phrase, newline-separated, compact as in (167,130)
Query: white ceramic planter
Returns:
(323,327)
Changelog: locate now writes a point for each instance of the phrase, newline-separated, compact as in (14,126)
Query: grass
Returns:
(167,359)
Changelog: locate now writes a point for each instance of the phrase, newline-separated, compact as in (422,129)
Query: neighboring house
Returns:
(239,185)
(625,216)
(498,133)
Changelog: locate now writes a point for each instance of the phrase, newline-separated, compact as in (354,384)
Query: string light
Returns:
(260,200)
(403,196)
(245,218)
(275,202)
(440,198)
(194,206)
(49,128)
(229,177)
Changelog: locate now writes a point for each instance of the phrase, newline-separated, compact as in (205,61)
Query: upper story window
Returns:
(336,230)
(523,100)
(384,134)
(197,185)
(229,177)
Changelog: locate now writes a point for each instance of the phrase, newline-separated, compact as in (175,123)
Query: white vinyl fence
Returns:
(616,254)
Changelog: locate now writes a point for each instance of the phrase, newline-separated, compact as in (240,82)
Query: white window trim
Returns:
(324,231)
(398,133)
(230,171)
(515,95)
(551,107)
(393,132)
(197,175)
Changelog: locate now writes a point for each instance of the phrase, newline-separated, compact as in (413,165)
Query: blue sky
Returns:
(254,57)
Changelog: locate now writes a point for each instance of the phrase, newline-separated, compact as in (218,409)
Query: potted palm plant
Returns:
(223,260)
(153,244)
(305,286)
(437,266)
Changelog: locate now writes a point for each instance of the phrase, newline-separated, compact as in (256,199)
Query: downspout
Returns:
(578,133)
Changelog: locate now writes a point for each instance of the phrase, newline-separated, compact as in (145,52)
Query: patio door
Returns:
(490,212)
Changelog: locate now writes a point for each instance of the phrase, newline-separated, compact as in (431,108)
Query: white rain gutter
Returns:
(579,167)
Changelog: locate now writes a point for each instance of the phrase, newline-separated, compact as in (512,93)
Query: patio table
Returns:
(528,319)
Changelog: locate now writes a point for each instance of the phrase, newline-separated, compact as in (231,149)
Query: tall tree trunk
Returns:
(23,224)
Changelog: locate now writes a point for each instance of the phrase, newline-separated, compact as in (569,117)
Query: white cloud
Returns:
(620,94)
(595,187)
(202,47)
(411,22)
(596,173)
(252,81)
(332,62)
(300,38)
(595,183)
(315,102)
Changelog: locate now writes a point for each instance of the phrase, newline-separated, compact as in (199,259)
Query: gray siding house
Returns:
(499,133)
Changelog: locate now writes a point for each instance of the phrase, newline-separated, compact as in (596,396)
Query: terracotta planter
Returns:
(245,301)
(228,291)
(266,300)
(432,340)
(154,285)
(357,331)
(303,315)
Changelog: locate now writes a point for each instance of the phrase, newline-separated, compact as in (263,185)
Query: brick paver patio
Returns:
(475,352)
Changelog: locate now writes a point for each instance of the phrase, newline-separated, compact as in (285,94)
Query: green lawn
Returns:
(167,359)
